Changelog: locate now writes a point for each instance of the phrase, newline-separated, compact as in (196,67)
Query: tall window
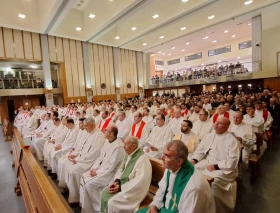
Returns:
(219,51)
(245,45)
(193,57)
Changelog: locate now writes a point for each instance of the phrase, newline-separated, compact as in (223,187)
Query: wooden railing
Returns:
(39,192)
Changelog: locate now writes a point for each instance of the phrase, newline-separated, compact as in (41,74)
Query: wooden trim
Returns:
(78,72)
(3,40)
(23,46)
(14,45)
(32,45)
(63,81)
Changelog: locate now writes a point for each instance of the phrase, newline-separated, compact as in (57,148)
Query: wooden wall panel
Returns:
(111,70)
(91,67)
(135,72)
(36,43)
(130,74)
(107,70)
(59,49)
(68,72)
(273,83)
(123,70)
(8,42)
(102,68)
(18,44)
(28,50)
(52,47)
(97,69)
(74,68)
(2,51)
(80,62)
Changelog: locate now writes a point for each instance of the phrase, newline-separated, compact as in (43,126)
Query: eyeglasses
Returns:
(201,114)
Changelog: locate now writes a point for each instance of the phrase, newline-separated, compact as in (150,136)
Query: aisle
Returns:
(9,201)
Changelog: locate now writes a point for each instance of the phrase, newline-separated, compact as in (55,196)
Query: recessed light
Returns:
(238,57)
(21,16)
(34,66)
(249,24)
(155,16)
(78,28)
(172,48)
(248,2)
(163,53)
(187,43)
(91,16)
(183,50)
(161,37)
(169,54)
(202,64)
(214,41)
(117,37)
(206,37)
(184,1)
(219,61)
(183,28)
(159,51)
(233,36)
(144,44)
(226,31)
(133,28)
(211,17)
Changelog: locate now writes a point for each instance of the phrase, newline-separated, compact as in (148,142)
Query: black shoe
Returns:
(65,192)
(54,176)
(49,172)
(74,204)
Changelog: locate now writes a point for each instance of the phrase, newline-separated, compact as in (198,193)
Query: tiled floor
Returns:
(262,197)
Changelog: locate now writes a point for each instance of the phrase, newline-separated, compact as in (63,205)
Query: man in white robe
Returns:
(244,134)
(203,125)
(96,115)
(131,183)
(73,168)
(187,186)
(175,123)
(30,126)
(105,121)
(268,120)
(158,138)
(101,173)
(60,149)
(123,125)
(147,118)
(217,156)
(188,137)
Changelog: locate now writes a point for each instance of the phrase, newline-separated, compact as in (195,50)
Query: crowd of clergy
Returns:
(99,153)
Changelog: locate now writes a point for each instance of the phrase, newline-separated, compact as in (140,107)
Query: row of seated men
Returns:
(85,160)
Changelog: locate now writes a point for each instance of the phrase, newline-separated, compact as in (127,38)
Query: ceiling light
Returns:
(163,53)
(233,36)
(161,37)
(117,37)
(219,61)
(8,69)
(172,48)
(133,28)
(34,66)
(205,37)
(184,1)
(187,43)
(202,64)
(214,41)
(155,16)
(183,50)
(159,51)
(248,2)
(183,28)
(78,28)
(226,31)
(169,54)
(21,15)
(238,57)
(249,24)
(91,16)
(144,44)
(211,17)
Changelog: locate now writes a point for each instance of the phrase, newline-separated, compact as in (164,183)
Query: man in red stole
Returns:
(105,121)
(221,113)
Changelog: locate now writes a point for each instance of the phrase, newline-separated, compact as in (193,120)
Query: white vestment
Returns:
(221,150)
(175,125)
(123,128)
(135,190)
(106,165)
(30,127)
(196,197)
(202,128)
(149,121)
(194,117)
(256,121)
(269,120)
(158,138)
(97,119)
(144,135)
(70,174)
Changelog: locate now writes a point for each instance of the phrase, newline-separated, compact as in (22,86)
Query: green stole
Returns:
(181,180)
(124,178)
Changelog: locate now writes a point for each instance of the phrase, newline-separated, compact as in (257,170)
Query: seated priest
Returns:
(101,173)
(158,138)
(73,168)
(123,125)
(131,183)
(175,123)
(203,125)
(183,188)
(217,156)
(30,126)
(105,121)
(221,113)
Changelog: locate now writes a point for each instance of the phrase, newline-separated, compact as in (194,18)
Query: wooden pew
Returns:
(39,192)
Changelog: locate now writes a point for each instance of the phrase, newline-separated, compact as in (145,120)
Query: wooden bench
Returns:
(254,159)
(39,192)
(8,130)
(157,174)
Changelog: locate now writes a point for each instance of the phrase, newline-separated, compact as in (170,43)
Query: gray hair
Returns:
(181,149)
(133,140)
(89,120)
(122,113)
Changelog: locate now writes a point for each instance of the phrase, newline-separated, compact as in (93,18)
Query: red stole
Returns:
(226,115)
(265,115)
(112,114)
(185,113)
(106,123)
(139,133)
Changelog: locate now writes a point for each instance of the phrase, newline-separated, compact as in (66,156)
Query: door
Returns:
(11,109)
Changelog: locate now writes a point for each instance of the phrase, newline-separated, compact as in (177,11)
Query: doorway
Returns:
(11,110)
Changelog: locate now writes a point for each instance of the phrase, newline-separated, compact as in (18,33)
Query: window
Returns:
(174,61)
(245,45)
(160,63)
(193,57)
(219,51)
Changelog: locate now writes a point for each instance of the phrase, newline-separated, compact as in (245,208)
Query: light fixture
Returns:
(219,61)
(155,16)
(248,2)
(78,28)
(8,69)
(117,37)
(34,66)
(163,53)
(229,86)
(21,16)
(211,17)
(183,28)
(184,1)
(233,36)
(202,64)
(249,85)
(161,37)
(226,31)
(144,44)
(169,54)
(214,41)
(91,16)
(133,28)
(249,24)
(183,50)
(159,52)
(187,43)
(239,85)
(172,48)
(238,57)
(206,37)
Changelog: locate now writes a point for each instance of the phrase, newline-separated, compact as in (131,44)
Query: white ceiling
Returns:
(117,17)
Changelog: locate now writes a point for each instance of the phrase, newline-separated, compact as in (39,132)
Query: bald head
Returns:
(221,125)
(177,113)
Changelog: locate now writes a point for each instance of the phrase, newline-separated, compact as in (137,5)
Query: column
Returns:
(256,43)
(89,88)
(117,74)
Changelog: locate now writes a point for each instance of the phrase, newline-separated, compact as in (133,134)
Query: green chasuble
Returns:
(124,178)
(181,180)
